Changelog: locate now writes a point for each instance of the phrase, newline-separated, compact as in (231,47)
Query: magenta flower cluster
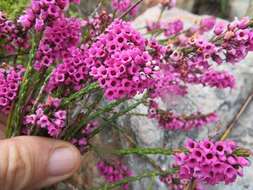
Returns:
(206,24)
(169,120)
(43,12)
(210,162)
(96,25)
(120,61)
(114,172)
(10,79)
(194,61)
(237,40)
(53,123)
(168,28)
(173,182)
(167,82)
(81,140)
(57,39)
(124,5)
(218,79)
(72,73)
(189,57)
(11,37)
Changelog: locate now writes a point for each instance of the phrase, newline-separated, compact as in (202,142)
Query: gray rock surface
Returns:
(225,102)
(239,8)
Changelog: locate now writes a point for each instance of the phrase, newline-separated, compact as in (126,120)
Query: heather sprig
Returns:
(207,162)
(146,151)
(135,178)
(14,122)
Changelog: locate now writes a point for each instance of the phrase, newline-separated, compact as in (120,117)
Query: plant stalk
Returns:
(135,178)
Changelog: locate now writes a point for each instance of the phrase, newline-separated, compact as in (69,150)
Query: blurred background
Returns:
(227,9)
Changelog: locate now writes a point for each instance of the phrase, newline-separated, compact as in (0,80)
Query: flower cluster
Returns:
(11,38)
(211,162)
(53,123)
(120,62)
(72,73)
(43,12)
(57,39)
(171,121)
(168,28)
(206,24)
(81,141)
(173,28)
(114,172)
(124,5)
(96,25)
(218,79)
(173,182)
(10,79)
(193,62)
(237,40)
(167,82)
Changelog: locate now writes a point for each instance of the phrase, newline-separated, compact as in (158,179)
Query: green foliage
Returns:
(224,6)
(13,8)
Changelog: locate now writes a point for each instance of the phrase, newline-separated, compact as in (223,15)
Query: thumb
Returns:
(34,162)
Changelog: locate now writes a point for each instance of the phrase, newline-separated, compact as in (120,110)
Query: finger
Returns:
(35,162)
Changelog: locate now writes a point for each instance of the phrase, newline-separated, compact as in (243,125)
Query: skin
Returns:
(26,162)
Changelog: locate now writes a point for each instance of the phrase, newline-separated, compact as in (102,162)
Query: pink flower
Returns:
(207,23)
(10,79)
(114,172)
(220,27)
(209,162)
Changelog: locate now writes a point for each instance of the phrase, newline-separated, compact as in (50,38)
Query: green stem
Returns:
(131,141)
(152,183)
(96,102)
(13,127)
(39,96)
(135,178)
(78,95)
(16,57)
(13,55)
(158,20)
(74,130)
(130,9)
(95,11)
(107,122)
(145,151)
(242,152)
(90,108)
(161,14)
(138,114)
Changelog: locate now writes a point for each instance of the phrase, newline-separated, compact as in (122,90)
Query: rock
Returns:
(225,102)
(239,8)
(183,4)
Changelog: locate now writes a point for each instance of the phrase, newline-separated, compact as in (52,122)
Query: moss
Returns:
(13,8)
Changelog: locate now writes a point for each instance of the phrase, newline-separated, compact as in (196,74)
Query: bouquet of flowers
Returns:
(53,63)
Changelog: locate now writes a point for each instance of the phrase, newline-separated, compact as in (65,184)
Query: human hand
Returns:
(28,163)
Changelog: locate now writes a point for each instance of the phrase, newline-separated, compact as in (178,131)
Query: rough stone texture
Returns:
(225,102)
(239,8)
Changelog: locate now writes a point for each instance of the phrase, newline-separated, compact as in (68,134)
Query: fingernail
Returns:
(62,161)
